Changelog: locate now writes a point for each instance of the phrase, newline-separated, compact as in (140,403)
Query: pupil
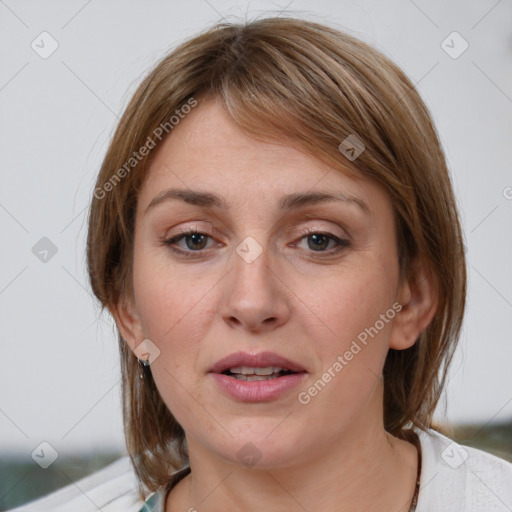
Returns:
(196,239)
(317,238)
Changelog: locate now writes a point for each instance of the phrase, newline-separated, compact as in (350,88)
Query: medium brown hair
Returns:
(289,79)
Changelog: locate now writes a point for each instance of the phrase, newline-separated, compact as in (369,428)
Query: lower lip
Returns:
(257,390)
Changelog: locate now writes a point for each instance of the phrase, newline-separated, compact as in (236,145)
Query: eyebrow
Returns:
(289,202)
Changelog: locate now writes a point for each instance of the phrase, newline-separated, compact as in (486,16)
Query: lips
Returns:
(262,377)
(239,360)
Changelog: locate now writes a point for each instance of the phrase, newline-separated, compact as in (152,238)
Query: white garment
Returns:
(454,478)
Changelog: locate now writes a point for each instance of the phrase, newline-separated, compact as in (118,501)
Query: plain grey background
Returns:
(59,380)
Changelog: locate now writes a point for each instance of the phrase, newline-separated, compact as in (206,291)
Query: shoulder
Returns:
(456,477)
(111,489)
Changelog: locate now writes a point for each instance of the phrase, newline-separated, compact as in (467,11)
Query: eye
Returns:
(195,241)
(319,241)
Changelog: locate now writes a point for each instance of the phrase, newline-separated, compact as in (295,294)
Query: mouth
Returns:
(260,366)
(261,377)
(256,373)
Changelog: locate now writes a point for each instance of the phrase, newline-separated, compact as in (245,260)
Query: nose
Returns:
(255,298)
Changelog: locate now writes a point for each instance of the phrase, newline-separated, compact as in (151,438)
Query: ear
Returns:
(418,296)
(128,321)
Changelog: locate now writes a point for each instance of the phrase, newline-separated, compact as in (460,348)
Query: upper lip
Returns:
(259,360)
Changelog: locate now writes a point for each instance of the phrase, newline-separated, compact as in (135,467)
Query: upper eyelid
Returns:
(305,232)
(211,230)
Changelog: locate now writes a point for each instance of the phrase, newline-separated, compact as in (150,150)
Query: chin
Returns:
(258,449)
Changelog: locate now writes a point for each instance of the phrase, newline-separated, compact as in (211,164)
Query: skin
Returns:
(305,303)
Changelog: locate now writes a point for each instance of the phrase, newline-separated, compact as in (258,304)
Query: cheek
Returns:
(351,341)
(165,297)
(347,305)
(172,313)
(175,310)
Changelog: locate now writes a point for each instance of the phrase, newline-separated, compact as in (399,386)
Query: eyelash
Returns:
(341,243)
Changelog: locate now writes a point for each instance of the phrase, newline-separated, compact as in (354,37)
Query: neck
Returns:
(361,468)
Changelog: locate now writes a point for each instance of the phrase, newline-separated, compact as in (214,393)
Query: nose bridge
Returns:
(254,297)
(251,268)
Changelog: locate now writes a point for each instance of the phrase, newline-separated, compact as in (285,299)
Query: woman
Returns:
(275,233)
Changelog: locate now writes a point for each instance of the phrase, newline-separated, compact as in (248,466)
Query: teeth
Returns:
(246,370)
(240,376)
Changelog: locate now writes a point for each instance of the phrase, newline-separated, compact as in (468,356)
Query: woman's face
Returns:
(256,278)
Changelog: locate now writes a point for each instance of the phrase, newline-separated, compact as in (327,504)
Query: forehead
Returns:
(208,151)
